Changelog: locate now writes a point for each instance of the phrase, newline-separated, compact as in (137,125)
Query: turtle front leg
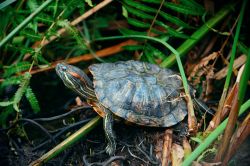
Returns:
(109,133)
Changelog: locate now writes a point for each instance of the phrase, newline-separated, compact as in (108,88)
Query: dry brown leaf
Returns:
(229,130)
(238,138)
(202,68)
(237,63)
(220,115)
(177,155)
(208,85)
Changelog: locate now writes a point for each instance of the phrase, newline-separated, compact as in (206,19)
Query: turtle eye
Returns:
(64,68)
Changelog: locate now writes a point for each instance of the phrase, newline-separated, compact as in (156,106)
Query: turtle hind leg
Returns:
(109,133)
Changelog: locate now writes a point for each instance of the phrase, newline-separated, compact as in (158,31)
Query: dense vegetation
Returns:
(206,42)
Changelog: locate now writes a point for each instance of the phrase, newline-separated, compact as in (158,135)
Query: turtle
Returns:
(139,92)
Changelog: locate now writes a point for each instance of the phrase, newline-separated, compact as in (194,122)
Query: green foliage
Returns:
(32,100)
(24,89)
(147,15)
(14,80)
(16,68)
(20,92)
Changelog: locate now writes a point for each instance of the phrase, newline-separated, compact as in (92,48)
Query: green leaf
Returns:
(89,2)
(152,1)
(138,23)
(74,33)
(138,13)
(4,114)
(148,54)
(132,47)
(32,4)
(126,31)
(41,59)
(155,52)
(20,91)
(183,9)
(124,12)
(32,100)
(140,6)
(16,68)
(193,4)
(14,80)
(44,18)
(34,36)
(196,139)
(6,103)
(242,47)
(174,20)
(172,31)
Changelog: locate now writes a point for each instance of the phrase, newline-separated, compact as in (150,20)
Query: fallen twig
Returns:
(167,147)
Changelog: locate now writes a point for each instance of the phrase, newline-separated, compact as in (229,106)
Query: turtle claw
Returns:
(110,149)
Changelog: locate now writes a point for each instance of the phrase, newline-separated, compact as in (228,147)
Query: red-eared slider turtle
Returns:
(139,92)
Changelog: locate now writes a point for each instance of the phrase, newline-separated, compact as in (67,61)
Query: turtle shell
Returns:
(140,92)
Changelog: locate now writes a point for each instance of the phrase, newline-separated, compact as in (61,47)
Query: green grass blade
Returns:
(234,48)
(244,79)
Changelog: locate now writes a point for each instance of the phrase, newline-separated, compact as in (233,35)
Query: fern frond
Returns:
(174,20)
(133,47)
(140,6)
(138,23)
(126,31)
(41,59)
(32,100)
(31,34)
(155,52)
(172,31)
(4,114)
(152,1)
(14,80)
(5,103)
(141,15)
(138,13)
(16,68)
(20,92)
(184,9)
(193,4)
(73,31)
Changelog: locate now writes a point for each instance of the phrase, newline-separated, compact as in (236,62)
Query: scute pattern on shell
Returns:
(140,92)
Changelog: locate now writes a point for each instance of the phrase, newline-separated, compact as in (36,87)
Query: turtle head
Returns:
(75,79)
